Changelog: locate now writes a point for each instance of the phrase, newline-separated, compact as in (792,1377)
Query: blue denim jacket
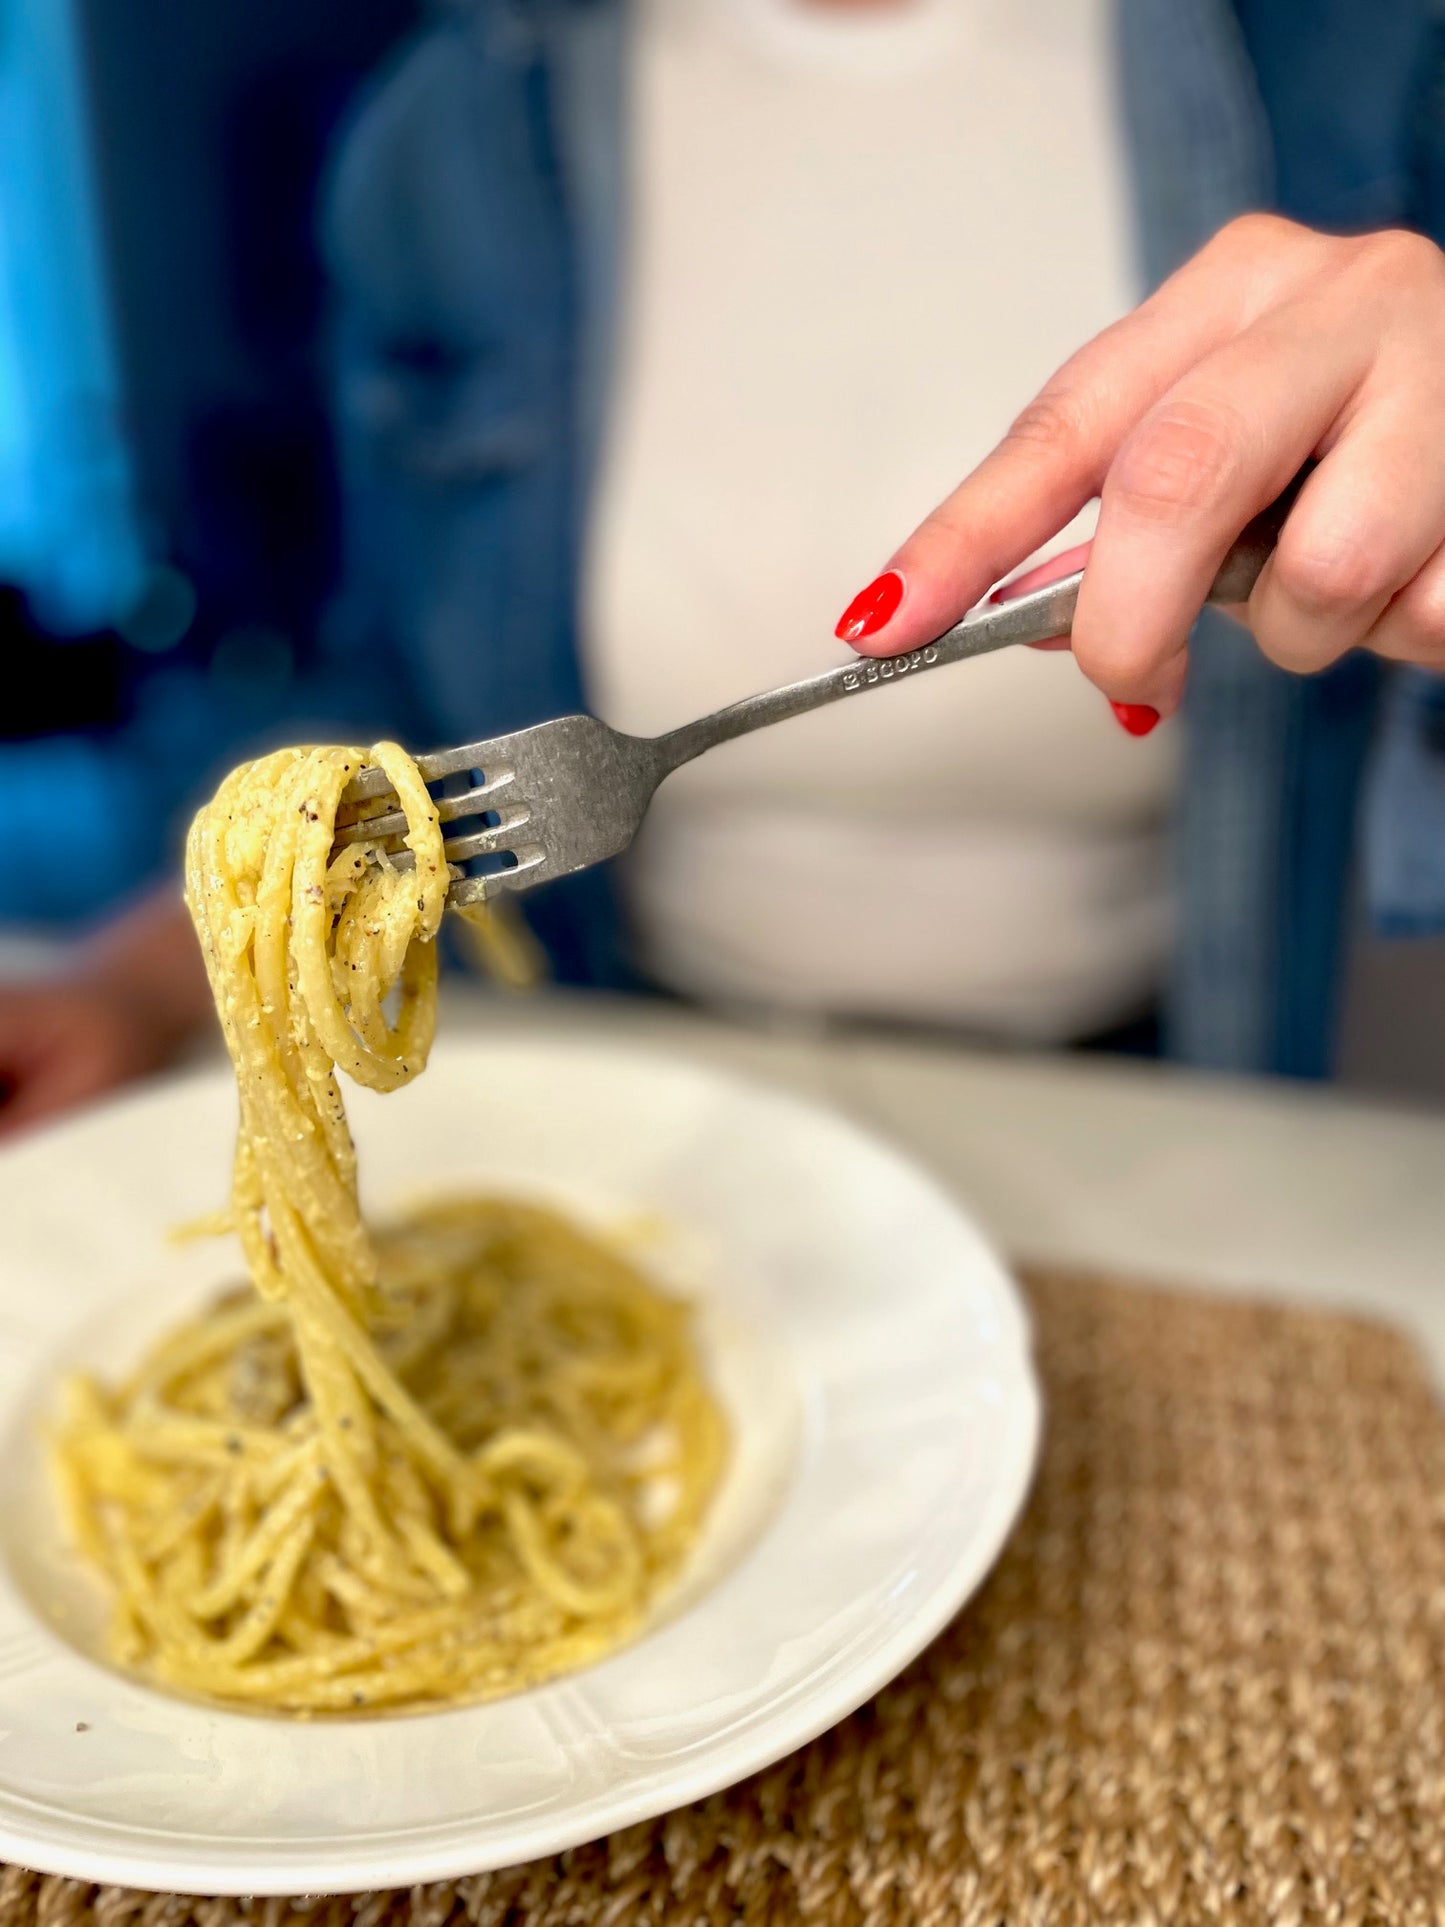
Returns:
(474,228)
(1328,111)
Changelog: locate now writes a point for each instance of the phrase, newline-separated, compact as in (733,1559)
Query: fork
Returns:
(558,797)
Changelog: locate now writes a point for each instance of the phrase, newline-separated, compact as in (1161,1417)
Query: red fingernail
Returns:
(872,609)
(1137,718)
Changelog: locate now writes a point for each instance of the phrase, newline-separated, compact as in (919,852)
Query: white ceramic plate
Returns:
(871,1351)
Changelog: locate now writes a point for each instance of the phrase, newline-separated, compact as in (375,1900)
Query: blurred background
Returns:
(425,371)
(168,517)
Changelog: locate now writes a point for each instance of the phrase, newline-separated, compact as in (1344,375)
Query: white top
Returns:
(862,238)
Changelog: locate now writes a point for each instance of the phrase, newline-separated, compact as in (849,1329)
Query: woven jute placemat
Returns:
(1206,1682)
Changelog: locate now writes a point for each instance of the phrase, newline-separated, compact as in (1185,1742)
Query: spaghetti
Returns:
(438,1464)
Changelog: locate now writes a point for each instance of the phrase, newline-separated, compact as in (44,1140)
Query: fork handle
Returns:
(1036,617)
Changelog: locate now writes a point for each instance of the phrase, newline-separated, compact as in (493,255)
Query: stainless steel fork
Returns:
(562,795)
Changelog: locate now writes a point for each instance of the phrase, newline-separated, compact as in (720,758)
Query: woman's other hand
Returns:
(1185,419)
(137,992)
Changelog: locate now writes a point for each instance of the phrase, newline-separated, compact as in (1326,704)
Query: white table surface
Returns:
(1271,1190)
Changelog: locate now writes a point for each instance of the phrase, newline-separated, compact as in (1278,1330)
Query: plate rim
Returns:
(634,1799)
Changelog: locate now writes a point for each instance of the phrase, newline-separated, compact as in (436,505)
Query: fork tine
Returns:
(361,829)
(468,802)
(449,808)
(490,838)
(370,829)
(486,889)
(490,758)
(487,841)
(372,782)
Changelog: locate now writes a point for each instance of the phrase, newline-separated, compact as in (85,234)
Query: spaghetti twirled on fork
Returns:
(437,1464)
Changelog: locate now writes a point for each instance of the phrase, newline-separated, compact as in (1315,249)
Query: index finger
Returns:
(1054,458)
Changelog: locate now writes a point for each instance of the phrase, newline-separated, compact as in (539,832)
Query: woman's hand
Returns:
(137,993)
(1187,418)
(61,1044)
